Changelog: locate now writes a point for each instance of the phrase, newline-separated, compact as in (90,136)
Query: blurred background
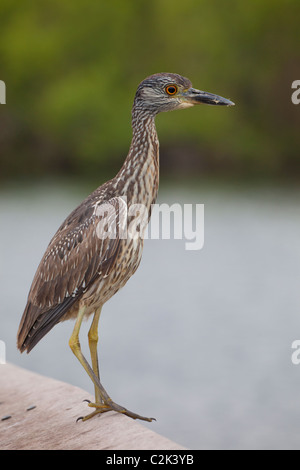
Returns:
(200,340)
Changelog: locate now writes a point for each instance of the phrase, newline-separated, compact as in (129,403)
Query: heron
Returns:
(85,264)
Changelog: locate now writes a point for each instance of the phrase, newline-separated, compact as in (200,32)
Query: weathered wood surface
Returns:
(52,423)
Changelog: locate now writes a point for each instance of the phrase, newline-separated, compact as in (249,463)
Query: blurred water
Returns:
(199,339)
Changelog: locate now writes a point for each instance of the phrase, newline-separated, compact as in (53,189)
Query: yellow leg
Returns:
(75,346)
(105,402)
(93,341)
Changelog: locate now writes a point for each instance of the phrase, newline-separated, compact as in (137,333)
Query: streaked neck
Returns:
(138,178)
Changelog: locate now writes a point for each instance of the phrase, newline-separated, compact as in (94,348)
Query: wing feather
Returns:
(83,250)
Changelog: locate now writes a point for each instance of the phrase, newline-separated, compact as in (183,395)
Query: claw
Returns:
(109,405)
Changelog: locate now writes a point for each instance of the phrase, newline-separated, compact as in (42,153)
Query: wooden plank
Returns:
(40,413)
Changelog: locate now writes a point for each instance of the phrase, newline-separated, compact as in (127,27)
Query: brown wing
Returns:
(82,250)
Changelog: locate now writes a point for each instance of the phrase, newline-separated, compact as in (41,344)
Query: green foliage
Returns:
(71,70)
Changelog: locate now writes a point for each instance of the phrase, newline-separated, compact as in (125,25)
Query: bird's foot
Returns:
(109,405)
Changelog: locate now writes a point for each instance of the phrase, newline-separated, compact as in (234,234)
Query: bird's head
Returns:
(168,91)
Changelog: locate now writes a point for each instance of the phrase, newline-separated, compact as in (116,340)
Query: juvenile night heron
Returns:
(87,261)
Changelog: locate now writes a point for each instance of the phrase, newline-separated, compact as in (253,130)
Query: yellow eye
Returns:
(171,89)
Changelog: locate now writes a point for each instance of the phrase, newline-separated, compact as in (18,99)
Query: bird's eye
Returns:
(171,89)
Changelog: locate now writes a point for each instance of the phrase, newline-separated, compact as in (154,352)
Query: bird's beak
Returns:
(193,96)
